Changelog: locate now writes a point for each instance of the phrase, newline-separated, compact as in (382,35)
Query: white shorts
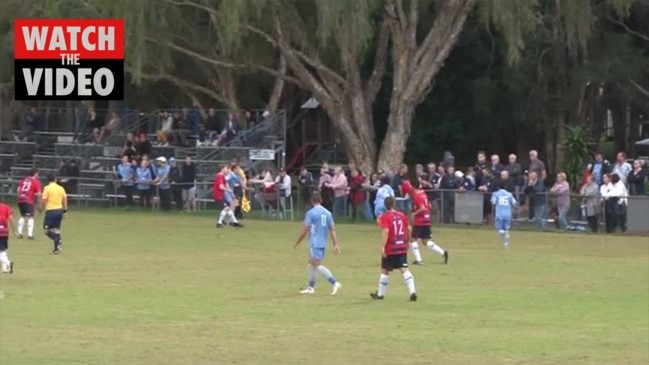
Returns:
(189,194)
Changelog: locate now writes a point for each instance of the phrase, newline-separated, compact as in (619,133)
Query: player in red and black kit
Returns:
(421,228)
(28,189)
(394,249)
(6,222)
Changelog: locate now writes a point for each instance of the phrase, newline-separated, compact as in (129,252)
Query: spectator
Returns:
(80,126)
(165,134)
(188,181)
(449,183)
(599,168)
(143,146)
(515,172)
(231,129)
(535,191)
(112,128)
(359,195)
(163,183)
(480,165)
(590,202)
(212,126)
(507,182)
(175,178)
(621,167)
(419,171)
(622,193)
(95,124)
(402,199)
(339,186)
(69,172)
(248,120)
(488,186)
(326,191)
(468,180)
(305,184)
(636,179)
(495,165)
(28,125)
(143,178)
(448,159)
(429,181)
(561,191)
(537,166)
(126,176)
(181,128)
(610,201)
(283,183)
(372,186)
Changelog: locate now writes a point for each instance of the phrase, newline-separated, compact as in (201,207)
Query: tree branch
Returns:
(373,84)
(639,87)
(183,84)
(628,30)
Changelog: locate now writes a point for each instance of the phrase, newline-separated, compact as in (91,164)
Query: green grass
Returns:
(135,288)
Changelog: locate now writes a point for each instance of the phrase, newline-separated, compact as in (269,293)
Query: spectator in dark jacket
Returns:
(69,173)
(487,186)
(480,165)
(636,179)
(515,171)
(188,180)
(496,167)
(449,184)
(600,167)
(507,181)
(175,178)
(306,186)
(535,190)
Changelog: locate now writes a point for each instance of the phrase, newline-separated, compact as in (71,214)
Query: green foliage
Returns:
(577,147)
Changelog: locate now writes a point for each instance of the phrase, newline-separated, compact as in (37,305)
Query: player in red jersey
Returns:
(6,222)
(224,197)
(29,189)
(394,249)
(421,228)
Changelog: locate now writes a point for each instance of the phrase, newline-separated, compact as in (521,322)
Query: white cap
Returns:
(161,159)
(459,174)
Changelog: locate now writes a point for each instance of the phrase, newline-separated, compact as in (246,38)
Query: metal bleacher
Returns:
(96,162)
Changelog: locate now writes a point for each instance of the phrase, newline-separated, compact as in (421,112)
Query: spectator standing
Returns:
(339,186)
(561,191)
(488,186)
(495,166)
(621,167)
(359,195)
(590,202)
(507,181)
(69,172)
(95,124)
(599,168)
(326,192)
(429,183)
(165,134)
(636,179)
(143,146)
(29,124)
(621,192)
(468,180)
(305,185)
(212,126)
(449,184)
(283,183)
(515,172)
(535,191)
(175,178)
(163,183)
(537,165)
(231,129)
(126,176)
(479,167)
(402,198)
(144,179)
(188,182)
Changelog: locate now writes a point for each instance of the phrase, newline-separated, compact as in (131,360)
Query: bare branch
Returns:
(373,84)
(278,88)
(183,84)
(639,87)
(628,30)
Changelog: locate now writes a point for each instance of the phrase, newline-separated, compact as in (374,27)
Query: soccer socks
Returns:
(326,273)
(233,219)
(51,235)
(415,251)
(21,225)
(312,272)
(384,280)
(222,216)
(4,260)
(434,247)
(30,227)
(410,282)
(505,238)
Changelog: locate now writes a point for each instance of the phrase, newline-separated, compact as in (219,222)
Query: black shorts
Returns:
(395,262)
(4,243)
(26,209)
(421,232)
(53,219)
(145,193)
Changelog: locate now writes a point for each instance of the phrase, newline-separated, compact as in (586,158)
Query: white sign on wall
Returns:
(265,155)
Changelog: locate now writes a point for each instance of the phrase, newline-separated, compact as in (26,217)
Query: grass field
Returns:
(135,288)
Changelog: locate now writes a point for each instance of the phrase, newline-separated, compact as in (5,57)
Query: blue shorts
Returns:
(225,202)
(503,224)
(53,219)
(316,253)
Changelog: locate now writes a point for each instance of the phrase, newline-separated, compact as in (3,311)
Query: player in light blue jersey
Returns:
(504,202)
(384,191)
(318,224)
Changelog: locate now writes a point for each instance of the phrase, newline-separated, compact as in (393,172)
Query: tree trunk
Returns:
(396,138)
(278,87)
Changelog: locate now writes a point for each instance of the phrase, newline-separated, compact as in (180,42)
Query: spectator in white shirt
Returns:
(283,183)
(622,193)
(621,167)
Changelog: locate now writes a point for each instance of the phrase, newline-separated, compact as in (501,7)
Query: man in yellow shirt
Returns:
(55,203)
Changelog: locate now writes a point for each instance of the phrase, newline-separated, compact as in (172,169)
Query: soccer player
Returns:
(55,203)
(394,250)
(224,197)
(421,228)
(318,224)
(384,192)
(504,201)
(28,189)
(6,221)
